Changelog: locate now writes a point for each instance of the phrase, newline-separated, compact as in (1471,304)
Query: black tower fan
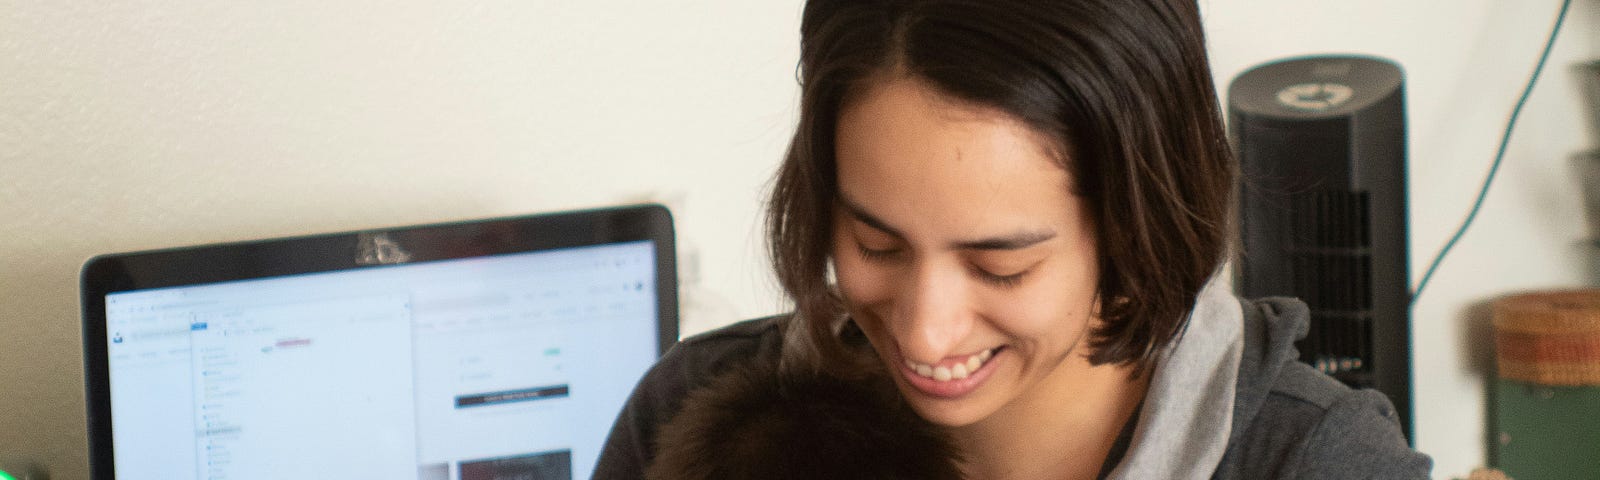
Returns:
(1322,150)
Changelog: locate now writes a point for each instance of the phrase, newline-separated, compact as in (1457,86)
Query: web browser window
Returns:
(506,366)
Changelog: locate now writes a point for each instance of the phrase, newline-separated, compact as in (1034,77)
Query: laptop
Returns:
(479,350)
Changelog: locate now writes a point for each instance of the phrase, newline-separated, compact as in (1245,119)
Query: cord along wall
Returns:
(1322,214)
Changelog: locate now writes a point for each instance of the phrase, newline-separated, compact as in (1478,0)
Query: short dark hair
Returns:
(1123,85)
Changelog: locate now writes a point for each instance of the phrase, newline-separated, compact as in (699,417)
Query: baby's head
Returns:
(753,423)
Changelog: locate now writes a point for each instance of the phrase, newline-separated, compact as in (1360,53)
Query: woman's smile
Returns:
(952,377)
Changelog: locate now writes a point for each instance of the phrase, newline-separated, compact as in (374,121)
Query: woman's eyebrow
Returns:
(1014,241)
(861,215)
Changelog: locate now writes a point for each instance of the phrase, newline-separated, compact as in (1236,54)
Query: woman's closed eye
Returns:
(999,280)
(882,253)
(1004,269)
(876,245)
(1001,273)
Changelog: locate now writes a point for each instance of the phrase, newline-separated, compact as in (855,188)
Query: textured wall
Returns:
(139,125)
(144,124)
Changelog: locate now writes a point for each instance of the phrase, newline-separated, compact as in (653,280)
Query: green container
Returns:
(1545,432)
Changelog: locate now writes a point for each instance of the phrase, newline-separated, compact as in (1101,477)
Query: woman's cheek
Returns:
(861,283)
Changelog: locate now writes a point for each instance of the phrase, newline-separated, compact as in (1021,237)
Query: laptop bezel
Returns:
(205,264)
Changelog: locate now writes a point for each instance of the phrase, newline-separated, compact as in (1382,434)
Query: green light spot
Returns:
(6,476)
(551,352)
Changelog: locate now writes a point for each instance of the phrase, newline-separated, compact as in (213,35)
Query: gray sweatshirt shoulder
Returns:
(1291,421)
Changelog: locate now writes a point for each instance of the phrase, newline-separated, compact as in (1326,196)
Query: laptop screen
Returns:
(509,365)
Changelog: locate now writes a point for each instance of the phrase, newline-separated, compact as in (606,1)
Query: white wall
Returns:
(146,124)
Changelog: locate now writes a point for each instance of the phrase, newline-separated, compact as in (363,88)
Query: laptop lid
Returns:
(475,350)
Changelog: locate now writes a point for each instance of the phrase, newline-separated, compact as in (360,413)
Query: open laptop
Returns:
(482,350)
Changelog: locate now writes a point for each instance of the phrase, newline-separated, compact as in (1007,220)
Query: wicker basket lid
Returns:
(1550,338)
(1556,312)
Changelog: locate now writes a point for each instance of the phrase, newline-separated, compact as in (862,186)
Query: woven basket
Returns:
(1549,338)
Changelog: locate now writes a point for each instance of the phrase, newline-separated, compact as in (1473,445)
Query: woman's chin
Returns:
(948,413)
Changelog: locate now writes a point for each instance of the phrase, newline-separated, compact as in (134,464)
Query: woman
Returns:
(998,221)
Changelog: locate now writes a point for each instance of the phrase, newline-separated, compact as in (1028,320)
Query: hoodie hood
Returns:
(1188,412)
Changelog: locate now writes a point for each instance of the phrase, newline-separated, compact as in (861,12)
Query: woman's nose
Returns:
(932,316)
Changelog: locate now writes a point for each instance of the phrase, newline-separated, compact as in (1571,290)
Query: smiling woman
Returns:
(960,254)
(998,221)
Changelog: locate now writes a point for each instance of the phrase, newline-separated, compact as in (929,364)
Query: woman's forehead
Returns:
(907,118)
(913,159)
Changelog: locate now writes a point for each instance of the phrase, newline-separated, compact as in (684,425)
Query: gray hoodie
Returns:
(1290,421)
(1229,400)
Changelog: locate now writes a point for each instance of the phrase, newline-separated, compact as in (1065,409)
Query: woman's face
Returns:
(960,251)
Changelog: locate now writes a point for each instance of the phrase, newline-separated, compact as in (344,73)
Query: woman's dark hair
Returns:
(1123,85)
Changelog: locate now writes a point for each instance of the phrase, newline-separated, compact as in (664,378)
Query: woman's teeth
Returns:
(957,370)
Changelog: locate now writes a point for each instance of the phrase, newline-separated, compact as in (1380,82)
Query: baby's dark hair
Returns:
(754,423)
